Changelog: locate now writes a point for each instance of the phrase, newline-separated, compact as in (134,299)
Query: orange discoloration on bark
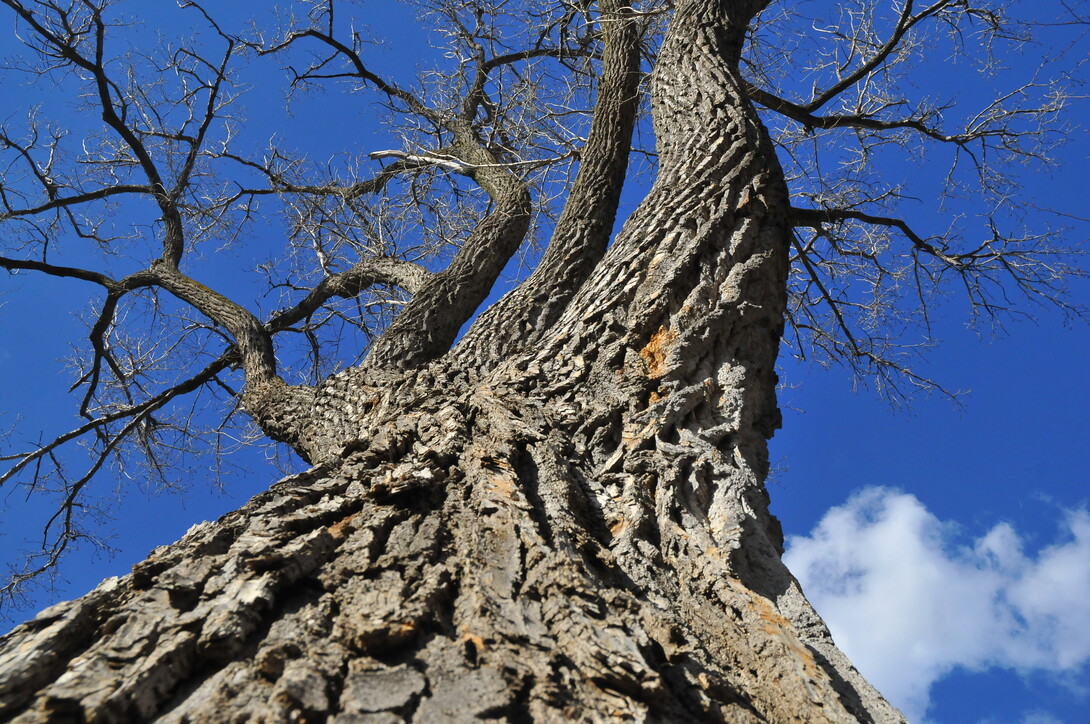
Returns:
(505,486)
(474,640)
(715,553)
(502,479)
(774,624)
(655,353)
(340,529)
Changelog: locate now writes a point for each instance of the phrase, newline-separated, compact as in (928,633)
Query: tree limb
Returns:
(363,274)
(905,22)
(817,218)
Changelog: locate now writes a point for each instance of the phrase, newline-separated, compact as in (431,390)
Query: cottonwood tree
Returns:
(561,513)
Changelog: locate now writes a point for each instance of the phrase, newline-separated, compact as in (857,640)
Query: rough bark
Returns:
(583,230)
(578,533)
(429,324)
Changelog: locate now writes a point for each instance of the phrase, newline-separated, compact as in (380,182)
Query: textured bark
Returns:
(429,324)
(583,230)
(579,532)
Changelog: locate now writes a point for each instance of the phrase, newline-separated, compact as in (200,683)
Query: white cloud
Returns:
(908,606)
(1040,717)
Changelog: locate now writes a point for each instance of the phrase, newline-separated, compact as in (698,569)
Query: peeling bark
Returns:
(578,532)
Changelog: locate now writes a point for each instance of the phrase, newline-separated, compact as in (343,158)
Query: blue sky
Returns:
(948,547)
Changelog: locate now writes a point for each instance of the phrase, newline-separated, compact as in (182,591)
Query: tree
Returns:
(560,513)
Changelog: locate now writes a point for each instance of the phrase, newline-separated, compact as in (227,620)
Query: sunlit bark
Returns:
(577,531)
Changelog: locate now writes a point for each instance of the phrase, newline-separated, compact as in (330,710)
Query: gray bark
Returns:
(576,531)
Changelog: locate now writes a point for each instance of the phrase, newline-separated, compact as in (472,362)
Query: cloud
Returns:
(1040,717)
(907,605)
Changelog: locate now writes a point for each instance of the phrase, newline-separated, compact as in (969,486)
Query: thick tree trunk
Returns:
(579,533)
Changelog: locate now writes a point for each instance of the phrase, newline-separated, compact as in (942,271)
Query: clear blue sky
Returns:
(945,546)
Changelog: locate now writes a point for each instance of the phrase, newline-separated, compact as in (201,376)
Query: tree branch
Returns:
(360,71)
(365,273)
(225,360)
(252,340)
(65,202)
(583,230)
(59,271)
(905,22)
(817,218)
(799,113)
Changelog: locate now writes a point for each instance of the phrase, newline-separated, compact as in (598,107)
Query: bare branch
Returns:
(847,79)
(358,70)
(817,218)
(138,411)
(365,273)
(77,199)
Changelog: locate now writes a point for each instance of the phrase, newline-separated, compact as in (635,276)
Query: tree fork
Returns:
(583,230)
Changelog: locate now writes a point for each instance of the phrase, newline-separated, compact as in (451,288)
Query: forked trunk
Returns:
(577,532)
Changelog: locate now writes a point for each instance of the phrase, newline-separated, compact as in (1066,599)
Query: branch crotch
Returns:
(285,413)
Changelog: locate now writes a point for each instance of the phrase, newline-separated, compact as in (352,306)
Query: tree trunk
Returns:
(576,532)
